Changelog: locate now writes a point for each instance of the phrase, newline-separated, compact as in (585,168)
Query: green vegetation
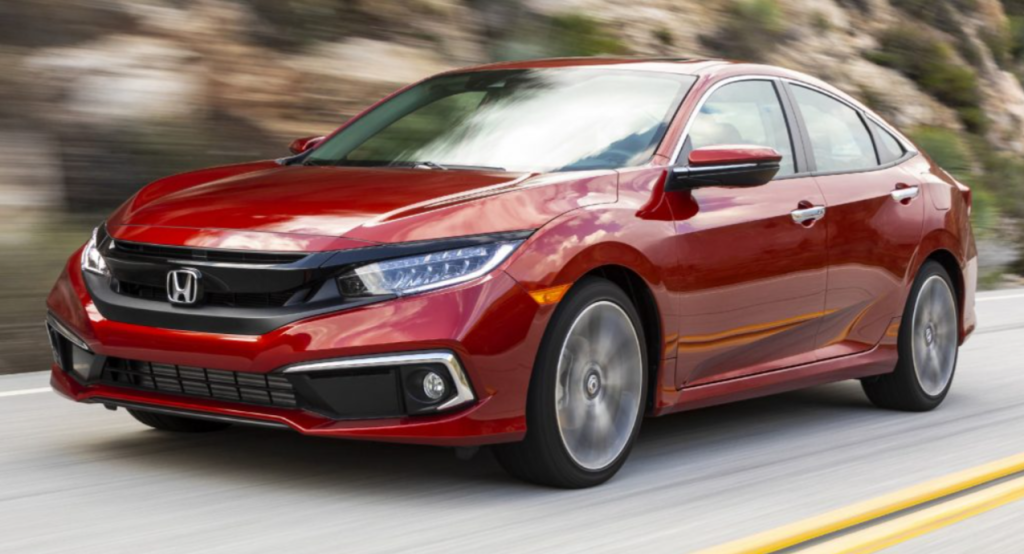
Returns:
(556,36)
(579,35)
(821,22)
(752,30)
(1015,39)
(1000,43)
(931,63)
(1014,33)
(955,155)
(1001,173)
(991,175)
(664,37)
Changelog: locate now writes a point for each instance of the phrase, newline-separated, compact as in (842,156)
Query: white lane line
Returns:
(24,392)
(1003,297)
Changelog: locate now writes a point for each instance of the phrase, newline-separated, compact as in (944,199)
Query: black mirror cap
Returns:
(740,175)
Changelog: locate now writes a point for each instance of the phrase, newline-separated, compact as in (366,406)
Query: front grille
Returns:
(202,254)
(234,300)
(233,386)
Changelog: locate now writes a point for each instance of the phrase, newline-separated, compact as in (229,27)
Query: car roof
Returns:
(710,69)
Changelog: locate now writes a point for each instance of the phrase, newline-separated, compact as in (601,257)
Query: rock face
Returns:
(228,79)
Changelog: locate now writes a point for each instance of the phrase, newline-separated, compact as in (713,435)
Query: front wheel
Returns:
(928,345)
(587,393)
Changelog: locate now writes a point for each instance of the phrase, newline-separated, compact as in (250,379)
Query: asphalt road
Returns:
(83,479)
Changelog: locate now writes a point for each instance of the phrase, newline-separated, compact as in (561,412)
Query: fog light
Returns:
(434,386)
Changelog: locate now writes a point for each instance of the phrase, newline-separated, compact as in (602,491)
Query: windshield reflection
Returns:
(525,120)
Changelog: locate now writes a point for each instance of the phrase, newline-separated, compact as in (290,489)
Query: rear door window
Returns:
(889,149)
(839,138)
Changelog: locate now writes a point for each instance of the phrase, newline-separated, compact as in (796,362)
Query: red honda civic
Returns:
(535,256)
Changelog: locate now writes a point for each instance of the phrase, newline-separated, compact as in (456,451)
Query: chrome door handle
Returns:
(905,194)
(808,214)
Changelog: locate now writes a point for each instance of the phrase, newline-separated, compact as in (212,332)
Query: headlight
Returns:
(92,261)
(425,272)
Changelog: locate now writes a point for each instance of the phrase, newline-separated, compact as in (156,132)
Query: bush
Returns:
(946,148)
(754,28)
(1000,42)
(931,63)
(526,35)
(579,35)
(1015,38)
(955,155)
(664,37)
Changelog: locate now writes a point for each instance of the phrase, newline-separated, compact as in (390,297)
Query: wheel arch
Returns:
(610,242)
(650,317)
(949,262)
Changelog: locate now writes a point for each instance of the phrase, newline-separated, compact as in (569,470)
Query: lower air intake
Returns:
(198,382)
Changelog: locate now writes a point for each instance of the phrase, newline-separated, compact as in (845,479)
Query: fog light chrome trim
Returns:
(59,327)
(463,391)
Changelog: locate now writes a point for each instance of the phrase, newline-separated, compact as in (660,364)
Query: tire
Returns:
(178,424)
(928,345)
(592,361)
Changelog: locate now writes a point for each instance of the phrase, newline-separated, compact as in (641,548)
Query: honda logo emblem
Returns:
(183,286)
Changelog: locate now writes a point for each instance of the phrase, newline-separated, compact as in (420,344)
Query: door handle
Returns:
(808,215)
(904,194)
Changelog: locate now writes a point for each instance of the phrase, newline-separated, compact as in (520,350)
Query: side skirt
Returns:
(877,361)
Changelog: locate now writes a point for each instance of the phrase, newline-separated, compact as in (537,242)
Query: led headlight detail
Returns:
(425,272)
(92,261)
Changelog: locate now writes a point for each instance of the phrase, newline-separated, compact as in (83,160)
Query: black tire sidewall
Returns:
(906,369)
(542,421)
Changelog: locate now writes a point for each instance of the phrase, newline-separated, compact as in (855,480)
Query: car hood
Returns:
(311,206)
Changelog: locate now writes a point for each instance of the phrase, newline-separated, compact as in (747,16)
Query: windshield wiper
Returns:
(410,164)
(429,164)
(435,165)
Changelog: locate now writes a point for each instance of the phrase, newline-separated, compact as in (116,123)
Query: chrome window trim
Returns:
(856,106)
(863,110)
(703,99)
(463,390)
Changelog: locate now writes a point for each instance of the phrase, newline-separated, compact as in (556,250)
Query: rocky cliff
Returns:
(113,93)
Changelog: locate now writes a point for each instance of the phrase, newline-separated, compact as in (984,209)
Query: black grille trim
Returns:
(212,298)
(206,255)
(314,273)
(261,389)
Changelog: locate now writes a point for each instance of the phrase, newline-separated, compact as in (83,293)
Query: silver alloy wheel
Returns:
(934,332)
(598,386)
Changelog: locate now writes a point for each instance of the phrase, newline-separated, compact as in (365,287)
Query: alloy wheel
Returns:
(934,334)
(599,385)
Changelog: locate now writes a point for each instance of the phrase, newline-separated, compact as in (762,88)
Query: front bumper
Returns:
(490,329)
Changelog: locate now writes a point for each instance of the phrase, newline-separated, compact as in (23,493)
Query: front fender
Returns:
(608,235)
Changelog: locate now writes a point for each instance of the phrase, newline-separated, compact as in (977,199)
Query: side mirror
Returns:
(301,145)
(726,166)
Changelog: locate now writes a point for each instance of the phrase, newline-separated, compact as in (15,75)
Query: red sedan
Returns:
(535,256)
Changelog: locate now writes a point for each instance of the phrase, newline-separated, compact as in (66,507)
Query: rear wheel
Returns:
(587,393)
(928,347)
(178,424)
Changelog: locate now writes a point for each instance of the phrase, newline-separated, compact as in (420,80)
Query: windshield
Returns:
(535,120)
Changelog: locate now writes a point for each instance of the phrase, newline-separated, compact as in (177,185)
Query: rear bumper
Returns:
(492,327)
